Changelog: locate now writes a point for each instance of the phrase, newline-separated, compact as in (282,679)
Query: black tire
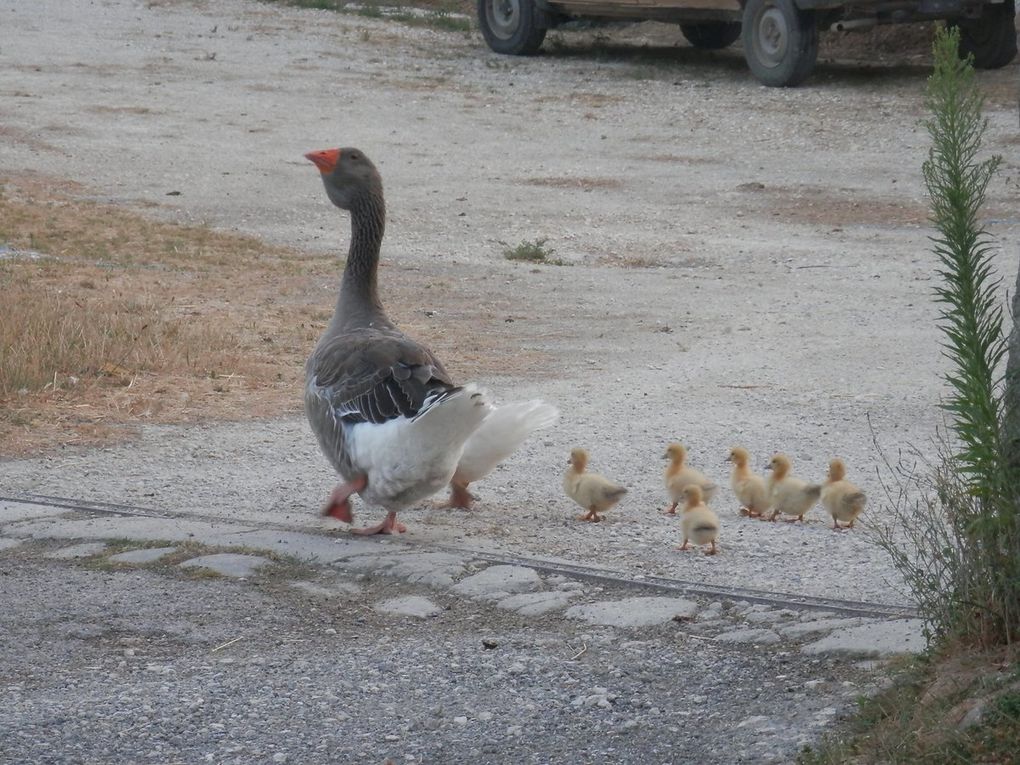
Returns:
(513,27)
(991,38)
(780,42)
(711,35)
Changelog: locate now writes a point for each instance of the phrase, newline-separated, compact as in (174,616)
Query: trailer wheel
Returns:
(711,35)
(513,27)
(780,42)
(990,38)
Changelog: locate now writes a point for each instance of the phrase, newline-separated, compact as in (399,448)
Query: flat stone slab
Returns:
(765,617)
(331,590)
(633,612)
(135,528)
(821,625)
(433,569)
(409,605)
(228,564)
(144,555)
(6,543)
(311,547)
(497,581)
(24,511)
(83,550)
(536,603)
(756,636)
(877,639)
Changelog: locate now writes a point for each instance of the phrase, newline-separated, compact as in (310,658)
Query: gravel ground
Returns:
(742,265)
(103,666)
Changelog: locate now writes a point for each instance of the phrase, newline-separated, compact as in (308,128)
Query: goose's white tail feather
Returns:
(505,428)
(408,460)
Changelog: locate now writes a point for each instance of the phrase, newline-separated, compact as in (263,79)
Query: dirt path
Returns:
(741,264)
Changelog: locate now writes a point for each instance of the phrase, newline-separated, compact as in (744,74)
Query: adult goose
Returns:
(384,410)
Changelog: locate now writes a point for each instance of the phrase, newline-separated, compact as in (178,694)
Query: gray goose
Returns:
(384,410)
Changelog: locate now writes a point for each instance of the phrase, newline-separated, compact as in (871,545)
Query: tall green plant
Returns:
(971,317)
(977,553)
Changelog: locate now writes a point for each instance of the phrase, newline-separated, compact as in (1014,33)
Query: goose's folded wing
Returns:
(375,376)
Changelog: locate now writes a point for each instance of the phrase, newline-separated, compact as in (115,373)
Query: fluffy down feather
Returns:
(842,499)
(593,492)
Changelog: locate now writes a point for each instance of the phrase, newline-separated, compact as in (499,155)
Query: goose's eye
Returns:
(354,155)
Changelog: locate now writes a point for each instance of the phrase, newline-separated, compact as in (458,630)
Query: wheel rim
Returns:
(504,17)
(772,36)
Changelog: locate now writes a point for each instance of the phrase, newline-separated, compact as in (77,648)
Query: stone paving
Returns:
(228,564)
(516,588)
(143,555)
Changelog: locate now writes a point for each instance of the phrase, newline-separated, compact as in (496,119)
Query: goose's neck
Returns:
(358,302)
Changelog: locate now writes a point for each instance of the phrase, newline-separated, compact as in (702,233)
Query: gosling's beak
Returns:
(325,160)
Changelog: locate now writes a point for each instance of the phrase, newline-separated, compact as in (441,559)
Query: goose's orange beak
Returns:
(325,160)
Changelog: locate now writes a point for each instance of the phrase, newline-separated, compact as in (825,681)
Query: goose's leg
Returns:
(339,505)
(389,526)
(672,509)
(459,497)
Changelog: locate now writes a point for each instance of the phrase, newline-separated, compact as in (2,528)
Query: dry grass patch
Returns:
(135,110)
(844,207)
(25,138)
(679,159)
(123,320)
(593,100)
(624,260)
(838,207)
(638,260)
(582,183)
(423,84)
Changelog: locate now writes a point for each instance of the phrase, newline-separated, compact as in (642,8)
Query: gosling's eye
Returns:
(354,155)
